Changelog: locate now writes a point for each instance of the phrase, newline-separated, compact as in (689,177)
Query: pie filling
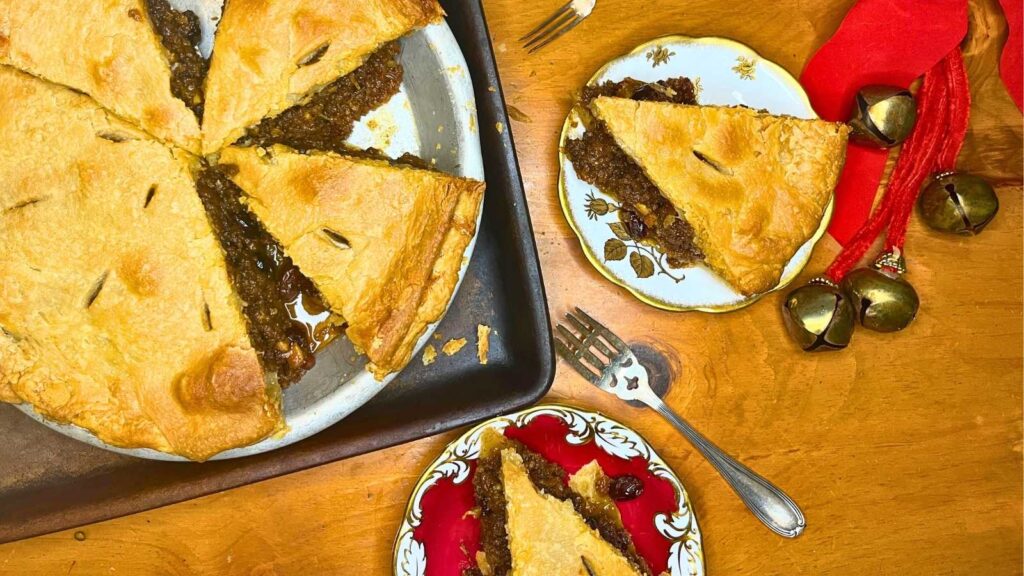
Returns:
(645,213)
(180,35)
(327,119)
(287,318)
(551,479)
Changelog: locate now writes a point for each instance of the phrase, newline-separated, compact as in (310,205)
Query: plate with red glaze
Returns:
(440,535)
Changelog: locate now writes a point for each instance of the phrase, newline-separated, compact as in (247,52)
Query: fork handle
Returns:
(770,504)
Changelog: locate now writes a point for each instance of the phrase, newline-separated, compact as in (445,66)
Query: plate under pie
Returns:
(645,242)
(535,491)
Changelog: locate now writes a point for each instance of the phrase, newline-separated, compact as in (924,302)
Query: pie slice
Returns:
(383,243)
(533,524)
(116,312)
(272,55)
(111,51)
(753,186)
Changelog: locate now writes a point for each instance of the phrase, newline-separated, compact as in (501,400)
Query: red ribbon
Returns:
(943,112)
(1011,65)
(879,42)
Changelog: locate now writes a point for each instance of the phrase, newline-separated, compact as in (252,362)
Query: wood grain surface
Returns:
(904,450)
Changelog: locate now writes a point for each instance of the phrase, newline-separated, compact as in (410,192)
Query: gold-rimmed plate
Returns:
(437,531)
(726,73)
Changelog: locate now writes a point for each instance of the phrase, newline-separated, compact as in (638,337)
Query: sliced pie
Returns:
(643,212)
(270,56)
(326,119)
(384,243)
(534,524)
(112,51)
(116,312)
(752,185)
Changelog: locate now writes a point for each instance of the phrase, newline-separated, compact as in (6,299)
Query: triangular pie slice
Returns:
(109,50)
(538,530)
(383,243)
(754,186)
(116,313)
(269,56)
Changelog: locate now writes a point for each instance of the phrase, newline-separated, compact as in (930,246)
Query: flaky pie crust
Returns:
(753,186)
(256,68)
(115,310)
(107,49)
(407,231)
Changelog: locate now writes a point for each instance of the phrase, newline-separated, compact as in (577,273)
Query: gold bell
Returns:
(882,299)
(819,316)
(958,203)
(883,116)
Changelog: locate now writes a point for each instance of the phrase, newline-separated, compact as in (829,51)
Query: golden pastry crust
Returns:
(105,48)
(115,309)
(406,232)
(256,70)
(587,482)
(753,186)
(546,536)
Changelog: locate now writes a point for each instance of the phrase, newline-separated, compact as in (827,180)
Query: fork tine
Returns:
(588,332)
(562,10)
(558,35)
(583,329)
(580,348)
(574,343)
(545,36)
(607,334)
(580,367)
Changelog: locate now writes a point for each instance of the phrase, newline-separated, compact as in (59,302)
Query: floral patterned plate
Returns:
(440,535)
(725,73)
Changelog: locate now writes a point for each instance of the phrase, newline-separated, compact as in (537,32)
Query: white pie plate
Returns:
(726,73)
(686,552)
(434,117)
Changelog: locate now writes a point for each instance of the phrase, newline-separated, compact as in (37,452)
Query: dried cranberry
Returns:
(625,487)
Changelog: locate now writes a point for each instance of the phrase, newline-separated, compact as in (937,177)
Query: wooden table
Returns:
(904,450)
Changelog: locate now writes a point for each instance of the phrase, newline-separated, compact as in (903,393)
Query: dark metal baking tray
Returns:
(49,482)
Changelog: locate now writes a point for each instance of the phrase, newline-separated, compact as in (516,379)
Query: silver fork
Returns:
(564,19)
(606,362)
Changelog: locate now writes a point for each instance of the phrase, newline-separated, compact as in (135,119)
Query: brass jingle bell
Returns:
(883,116)
(819,316)
(882,299)
(958,203)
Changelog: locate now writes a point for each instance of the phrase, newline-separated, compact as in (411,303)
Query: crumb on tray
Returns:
(452,346)
(429,355)
(483,342)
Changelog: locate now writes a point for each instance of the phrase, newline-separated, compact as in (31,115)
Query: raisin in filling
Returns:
(180,34)
(598,160)
(286,316)
(327,119)
(551,479)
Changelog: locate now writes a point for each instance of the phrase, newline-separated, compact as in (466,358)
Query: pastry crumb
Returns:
(483,342)
(453,346)
(500,127)
(429,355)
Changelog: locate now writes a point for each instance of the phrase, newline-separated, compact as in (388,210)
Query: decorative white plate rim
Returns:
(571,124)
(350,394)
(686,553)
